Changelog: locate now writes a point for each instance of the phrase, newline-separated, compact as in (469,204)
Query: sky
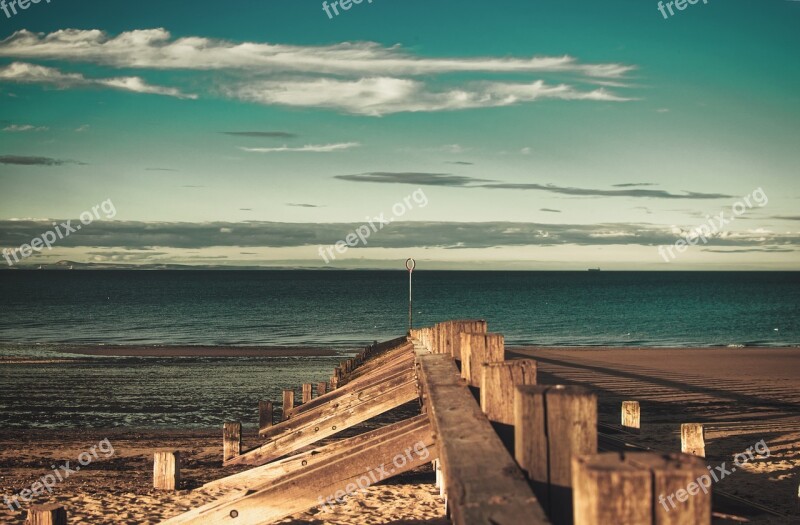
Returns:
(469,135)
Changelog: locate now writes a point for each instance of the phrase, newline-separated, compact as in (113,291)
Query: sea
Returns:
(44,315)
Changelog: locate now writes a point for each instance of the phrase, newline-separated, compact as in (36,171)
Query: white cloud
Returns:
(309,148)
(382,95)
(156,49)
(361,78)
(16,128)
(25,73)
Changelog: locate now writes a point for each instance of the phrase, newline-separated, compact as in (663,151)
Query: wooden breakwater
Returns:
(505,449)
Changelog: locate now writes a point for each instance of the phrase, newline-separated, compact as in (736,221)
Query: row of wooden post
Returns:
(555,439)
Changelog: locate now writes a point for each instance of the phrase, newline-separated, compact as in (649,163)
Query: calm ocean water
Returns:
(45,313)
(351,308)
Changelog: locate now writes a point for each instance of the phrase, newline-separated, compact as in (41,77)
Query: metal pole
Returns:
(410,265)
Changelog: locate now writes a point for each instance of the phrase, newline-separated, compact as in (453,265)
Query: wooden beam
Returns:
(326,421)
(343,473)
(483,483)
(379,375)
(387,358)
(299,463)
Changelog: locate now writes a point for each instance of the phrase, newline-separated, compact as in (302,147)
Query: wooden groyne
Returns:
(525,454)
(506,450)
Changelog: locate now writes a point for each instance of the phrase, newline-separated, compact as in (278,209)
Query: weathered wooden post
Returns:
(641,488)
(48,514)
(231,440)
(479,349)
(553,424)
(307,388)
(454,331)
(498,386)
(693,439)
(334,382)
(265,410)
(166,470)
(288,404)
(322,388)
(631,414)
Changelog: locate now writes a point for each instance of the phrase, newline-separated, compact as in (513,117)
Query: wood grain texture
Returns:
(498,384)
(641,488)
(693,439)
(482,481)
(166,470)
(552,425)
(47,514)
(326,421)
(344,472)
(231,440)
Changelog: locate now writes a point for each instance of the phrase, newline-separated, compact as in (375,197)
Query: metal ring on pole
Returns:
(410,264)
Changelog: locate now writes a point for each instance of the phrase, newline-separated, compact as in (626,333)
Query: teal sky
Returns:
(543,135)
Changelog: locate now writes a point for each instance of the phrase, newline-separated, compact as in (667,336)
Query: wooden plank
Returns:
(258,476)
(387,358)
(402,361)
(345,473)
(483,483)
(347,398)
(380,399)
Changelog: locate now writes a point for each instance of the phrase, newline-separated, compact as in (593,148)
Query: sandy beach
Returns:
(119,489)
(742,395)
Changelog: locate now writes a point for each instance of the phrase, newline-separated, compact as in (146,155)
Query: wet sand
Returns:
(201,351)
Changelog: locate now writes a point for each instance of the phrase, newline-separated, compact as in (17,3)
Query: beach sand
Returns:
(741,395)
(118,489)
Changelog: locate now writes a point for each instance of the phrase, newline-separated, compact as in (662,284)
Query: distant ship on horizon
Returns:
(594,269)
